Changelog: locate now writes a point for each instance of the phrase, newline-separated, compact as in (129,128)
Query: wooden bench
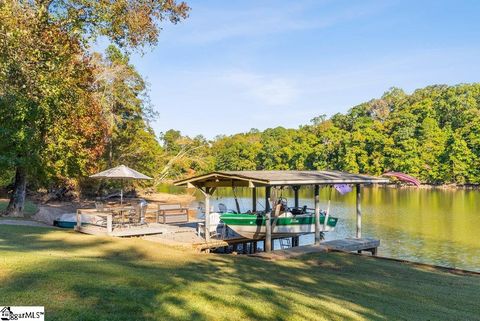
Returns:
(168,214)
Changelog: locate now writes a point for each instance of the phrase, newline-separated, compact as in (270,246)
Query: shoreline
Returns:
(453,270)
(448,187)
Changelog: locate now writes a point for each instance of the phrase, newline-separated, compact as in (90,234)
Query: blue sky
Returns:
(236,65)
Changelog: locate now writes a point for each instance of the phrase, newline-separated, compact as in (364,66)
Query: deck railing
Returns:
(127,216)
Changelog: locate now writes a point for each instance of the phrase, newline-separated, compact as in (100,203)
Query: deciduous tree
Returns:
(45,79)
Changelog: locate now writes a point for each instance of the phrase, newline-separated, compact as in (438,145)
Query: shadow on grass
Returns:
(79,277)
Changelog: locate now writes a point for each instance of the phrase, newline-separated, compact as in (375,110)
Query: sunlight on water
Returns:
(424,225)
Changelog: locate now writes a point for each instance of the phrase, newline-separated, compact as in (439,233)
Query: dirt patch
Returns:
(47,213)
(184,199)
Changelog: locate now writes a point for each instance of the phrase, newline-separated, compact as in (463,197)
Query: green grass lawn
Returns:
(82,277)
(29,210)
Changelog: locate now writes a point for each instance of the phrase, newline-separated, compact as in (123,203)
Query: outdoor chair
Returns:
(99,206)
(118,219)
(222,208)
(215,225)
(133,216)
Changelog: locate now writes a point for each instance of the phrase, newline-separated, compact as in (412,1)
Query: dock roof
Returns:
(277,178)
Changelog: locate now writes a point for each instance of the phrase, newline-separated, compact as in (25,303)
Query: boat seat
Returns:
(299,210)
(286,214)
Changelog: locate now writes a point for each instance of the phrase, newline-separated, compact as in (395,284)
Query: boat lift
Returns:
(208,183)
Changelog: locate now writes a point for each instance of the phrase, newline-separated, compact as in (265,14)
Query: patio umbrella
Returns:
(121,172)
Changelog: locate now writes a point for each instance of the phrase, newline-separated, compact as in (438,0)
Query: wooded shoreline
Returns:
(452,187)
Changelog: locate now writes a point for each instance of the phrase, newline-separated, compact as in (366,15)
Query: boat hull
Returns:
(253,226)
(64,224)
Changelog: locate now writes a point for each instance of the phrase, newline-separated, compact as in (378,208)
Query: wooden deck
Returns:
(342,245)
(130,221)
(353,244)
(184,234)
(149,229)
(188,238)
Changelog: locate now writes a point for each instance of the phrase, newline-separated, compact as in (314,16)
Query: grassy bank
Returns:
(80,277)
(30,208)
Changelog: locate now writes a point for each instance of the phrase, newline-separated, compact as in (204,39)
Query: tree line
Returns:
(432,134)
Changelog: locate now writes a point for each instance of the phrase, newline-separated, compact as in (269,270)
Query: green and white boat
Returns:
(252,226)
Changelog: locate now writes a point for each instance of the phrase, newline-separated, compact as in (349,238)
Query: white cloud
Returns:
(266,89)
(208,26)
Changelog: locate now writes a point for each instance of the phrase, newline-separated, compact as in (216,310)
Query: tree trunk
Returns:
(17,200)
(110,153)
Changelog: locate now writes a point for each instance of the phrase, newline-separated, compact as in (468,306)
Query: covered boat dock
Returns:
(272,180)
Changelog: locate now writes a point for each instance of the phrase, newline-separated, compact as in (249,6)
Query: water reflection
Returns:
(425,225)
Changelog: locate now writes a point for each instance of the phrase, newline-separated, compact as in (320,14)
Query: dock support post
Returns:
(268,222)
(79,220)
(295,241)
(268,190)
(295,191)
(359,210)
(254,200)
(245,248)
(317,214)
(207,217)
(254,247)
(109,223)
(207,192)
(268,234)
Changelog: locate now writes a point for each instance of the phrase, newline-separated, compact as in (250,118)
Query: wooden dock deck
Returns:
(342,245)
(142,230)
(190,239)
(184,234)
(131,221)
(353,245)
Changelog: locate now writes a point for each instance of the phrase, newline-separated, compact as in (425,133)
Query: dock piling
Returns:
(268,223)
(295,191)
(317,214)
(359,210)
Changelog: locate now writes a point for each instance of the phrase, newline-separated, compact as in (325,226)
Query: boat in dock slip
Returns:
(252,225)
(283,222)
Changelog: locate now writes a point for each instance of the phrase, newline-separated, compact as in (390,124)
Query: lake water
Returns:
(433,226)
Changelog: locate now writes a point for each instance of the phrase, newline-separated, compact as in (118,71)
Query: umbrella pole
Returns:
(121,192)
